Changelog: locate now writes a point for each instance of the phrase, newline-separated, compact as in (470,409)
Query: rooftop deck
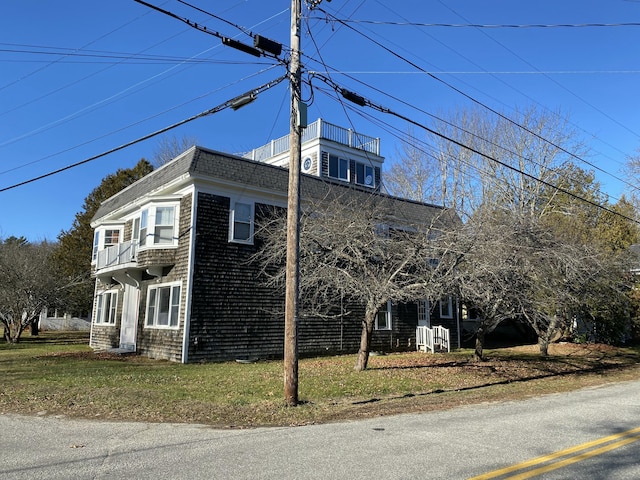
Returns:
(316,130)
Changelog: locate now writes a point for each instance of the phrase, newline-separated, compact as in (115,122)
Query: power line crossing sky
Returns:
(80,78)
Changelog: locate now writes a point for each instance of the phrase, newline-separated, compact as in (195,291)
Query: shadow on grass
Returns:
(597,369)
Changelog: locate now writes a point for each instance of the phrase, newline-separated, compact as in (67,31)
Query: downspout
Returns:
(187,306)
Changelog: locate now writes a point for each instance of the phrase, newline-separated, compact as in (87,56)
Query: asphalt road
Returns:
(457,444)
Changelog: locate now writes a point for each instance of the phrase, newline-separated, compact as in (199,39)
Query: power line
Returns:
(457,90)
(234,103)
(482,25)
(364,102)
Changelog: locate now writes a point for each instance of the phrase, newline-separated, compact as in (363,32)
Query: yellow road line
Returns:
(633,435)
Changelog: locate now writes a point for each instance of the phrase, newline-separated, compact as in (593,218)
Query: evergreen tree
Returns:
(72,257)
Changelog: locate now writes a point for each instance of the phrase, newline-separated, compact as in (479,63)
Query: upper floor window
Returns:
(105,238)
(96,244)
(241,222)
(111,237)
(163,306)
(364,175)
(163,232)
(338,168)
(155,226)
(106,307)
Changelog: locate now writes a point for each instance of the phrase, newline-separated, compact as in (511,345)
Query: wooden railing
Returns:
(432,339)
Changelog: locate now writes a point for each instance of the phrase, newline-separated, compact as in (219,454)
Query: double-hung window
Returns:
(446,307)
(338,168)
(383,319)
(163,233)
(364,175)
(155,226)
(163,306)
(241,222)
(96,244)
(111,237)
(107,303)
(142,227)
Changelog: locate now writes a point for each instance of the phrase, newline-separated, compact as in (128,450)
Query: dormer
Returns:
(329,151)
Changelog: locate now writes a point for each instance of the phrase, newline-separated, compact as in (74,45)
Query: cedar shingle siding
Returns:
(225,310)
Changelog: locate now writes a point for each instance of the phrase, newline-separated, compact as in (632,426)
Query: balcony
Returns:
(116,255)
(316,130)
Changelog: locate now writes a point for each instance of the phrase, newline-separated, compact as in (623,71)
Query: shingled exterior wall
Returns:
(234,316)
(166,343)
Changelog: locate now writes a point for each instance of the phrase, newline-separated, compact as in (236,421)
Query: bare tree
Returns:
(501,162)
(29,283)
(362,248)
(169,147)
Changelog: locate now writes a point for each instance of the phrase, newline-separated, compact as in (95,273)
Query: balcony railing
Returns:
(318,129)
(116,255)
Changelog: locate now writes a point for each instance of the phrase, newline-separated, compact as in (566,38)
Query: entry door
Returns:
(424,319)
(129,323)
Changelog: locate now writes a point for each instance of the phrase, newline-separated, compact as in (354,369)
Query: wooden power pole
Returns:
(293,216)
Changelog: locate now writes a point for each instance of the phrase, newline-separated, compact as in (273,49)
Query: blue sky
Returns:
(74,83)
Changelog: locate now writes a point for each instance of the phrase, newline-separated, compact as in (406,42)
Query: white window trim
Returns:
(172,302)
(150,236)
(364,183)
(104,317)
(449,301)
(99,237)
(389,326)
(338,177)
(232,221)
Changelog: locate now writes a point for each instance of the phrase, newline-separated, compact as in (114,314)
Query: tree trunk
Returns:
(478,353)
(543,343)
(365,342)
(35,329)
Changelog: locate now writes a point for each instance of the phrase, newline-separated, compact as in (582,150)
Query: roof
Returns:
(202,163)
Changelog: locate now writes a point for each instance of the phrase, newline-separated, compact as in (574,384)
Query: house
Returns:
(170,251)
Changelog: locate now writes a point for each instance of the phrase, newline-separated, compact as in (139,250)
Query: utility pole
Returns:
(293,216)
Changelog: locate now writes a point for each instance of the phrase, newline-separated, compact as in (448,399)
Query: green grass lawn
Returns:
(58,374)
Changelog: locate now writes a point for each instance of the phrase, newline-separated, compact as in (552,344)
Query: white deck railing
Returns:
(432,339)
(116,255)
(318,129)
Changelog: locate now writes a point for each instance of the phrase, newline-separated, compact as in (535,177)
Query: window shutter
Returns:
(352,171)
(325,164)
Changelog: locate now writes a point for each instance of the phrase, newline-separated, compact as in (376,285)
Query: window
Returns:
(96,244)
(111,237)
(106,307)
(383,319)
(364,175)
(338,168)
(446,308)
(163,306)
(241,222)
(155,226)
(135,234)
(163,233)
(142,233)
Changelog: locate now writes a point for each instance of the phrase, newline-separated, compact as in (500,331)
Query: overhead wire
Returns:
(510,86)
(474,134)
(139,122)
(454,88)
(363,101)
(211,111)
